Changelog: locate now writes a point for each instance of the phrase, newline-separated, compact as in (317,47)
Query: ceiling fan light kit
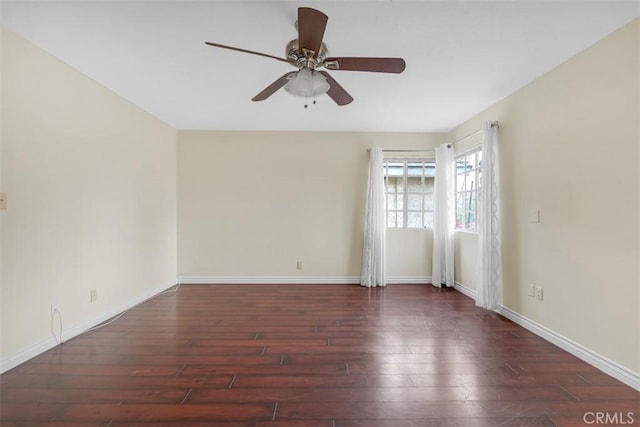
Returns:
(308,54)
(307,83)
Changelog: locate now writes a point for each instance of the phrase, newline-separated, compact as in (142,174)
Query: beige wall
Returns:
(569,146)
(409,255)
(252,204)
(466,258)
(91,187)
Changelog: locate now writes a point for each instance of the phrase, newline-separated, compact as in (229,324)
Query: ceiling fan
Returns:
(309,55)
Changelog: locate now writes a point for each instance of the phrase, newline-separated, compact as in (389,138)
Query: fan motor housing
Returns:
(305,59)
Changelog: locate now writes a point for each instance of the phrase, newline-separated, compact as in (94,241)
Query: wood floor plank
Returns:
(45,395)
(322,381)
(447,422)
(308,356)
(357,394)
(284,369)
(381,410)
(537,408)
(605,392)
(114,383)
(211,412)
(98,370)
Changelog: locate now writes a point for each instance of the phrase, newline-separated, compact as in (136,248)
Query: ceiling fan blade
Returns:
(337,92)
(311,25)
(376,65)
(273,87)
(246,51)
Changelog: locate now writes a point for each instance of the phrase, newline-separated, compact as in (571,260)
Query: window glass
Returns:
(468,179)
(409,193)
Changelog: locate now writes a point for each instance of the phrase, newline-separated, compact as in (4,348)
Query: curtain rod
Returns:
(405,151)
(474,133)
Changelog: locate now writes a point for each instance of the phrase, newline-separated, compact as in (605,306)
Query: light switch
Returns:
(534,215)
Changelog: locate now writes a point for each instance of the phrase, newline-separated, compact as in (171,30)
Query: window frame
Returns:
(404,211)
(475,193)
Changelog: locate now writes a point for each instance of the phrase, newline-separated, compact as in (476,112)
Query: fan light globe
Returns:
(307,83)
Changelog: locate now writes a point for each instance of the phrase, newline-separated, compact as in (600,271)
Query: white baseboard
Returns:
(75,330)
(409,280)
(301,280)
(268,280)
(606,365)
(471,293)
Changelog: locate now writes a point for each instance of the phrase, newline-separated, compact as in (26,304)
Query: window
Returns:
(409,193)
(468,176)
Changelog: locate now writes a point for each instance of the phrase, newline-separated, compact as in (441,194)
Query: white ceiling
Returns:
(462,56)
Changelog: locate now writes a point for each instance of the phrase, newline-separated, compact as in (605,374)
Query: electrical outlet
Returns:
(93,295)
(532,291)
(299,265)
(539,293)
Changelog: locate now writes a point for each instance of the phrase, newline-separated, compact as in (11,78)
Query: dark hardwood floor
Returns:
(312,356)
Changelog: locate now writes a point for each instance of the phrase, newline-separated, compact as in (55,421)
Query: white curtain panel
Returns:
(489,283)
(373,259)
(442,269)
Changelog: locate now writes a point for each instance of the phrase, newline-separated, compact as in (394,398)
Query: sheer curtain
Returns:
(443,217)
(373,259)
(489,283)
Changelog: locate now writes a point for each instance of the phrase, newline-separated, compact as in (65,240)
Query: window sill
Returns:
(409,229)
(457,230)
